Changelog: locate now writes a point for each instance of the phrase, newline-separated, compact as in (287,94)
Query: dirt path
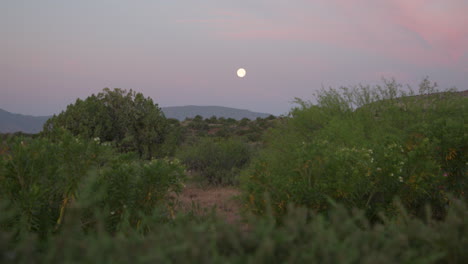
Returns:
(204,199)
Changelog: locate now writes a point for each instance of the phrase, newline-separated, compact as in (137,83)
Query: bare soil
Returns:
(204,199)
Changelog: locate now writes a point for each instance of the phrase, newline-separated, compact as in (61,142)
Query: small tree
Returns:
(125,118)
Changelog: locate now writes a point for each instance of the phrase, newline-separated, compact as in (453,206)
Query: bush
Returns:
(130,121)
(42,180)
(303,237)
(362,147)
(216,160)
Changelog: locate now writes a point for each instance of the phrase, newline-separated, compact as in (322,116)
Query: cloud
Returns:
(422,32)
(443,24)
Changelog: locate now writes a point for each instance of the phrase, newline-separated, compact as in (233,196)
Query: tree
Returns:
(125,118)
(244,122)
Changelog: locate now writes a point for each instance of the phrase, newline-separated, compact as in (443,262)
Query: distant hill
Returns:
(182,112)
(10,123)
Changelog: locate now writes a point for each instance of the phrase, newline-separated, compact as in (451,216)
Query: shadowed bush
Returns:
(303,236)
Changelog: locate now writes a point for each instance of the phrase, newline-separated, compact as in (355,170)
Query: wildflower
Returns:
(400,179)
(379,169)
(445,174)
(97,139)
(391,175)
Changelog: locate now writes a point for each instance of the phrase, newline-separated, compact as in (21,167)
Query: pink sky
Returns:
(181,53)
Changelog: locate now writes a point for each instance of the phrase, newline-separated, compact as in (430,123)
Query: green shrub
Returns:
(341,236)
(362,147)
(42,180)
(130,121)
(217,160)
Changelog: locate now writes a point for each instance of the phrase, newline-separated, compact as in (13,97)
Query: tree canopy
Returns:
(124,118)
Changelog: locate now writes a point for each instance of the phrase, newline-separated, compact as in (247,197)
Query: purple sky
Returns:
(187,52)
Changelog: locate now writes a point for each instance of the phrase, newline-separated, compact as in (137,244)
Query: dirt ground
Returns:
(203,199)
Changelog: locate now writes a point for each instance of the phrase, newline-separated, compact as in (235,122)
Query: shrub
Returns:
(362,147)
(341,236)
(130,121)
(42,180)
(216,160)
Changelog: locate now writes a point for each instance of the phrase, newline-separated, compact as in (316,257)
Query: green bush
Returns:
(362,147)
(303,236)
(41,180)
(130,121)
(217,160)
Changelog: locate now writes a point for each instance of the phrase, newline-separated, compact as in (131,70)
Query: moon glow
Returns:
(241,72)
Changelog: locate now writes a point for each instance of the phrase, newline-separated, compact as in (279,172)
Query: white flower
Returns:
(391,175)
(379,169)
(97,139)
(400,178)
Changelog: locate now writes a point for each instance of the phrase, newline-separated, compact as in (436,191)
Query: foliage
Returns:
(216,160)
(175,136)
(42,180)
(362,147)
(248,130)
(125,118)
(303,237)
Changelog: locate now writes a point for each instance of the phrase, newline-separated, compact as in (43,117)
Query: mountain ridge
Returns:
(12,122)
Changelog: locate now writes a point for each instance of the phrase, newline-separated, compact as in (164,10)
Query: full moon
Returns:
(241,72)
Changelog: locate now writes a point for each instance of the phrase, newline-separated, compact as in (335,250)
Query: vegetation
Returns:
(364,175)
(124,118)
(41,180)
(303,237)
(216,150)
(363,147)
(216,160)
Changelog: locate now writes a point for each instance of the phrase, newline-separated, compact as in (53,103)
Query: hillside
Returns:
(10,122)
(190,111)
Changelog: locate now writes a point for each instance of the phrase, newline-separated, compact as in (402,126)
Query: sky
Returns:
(187,52)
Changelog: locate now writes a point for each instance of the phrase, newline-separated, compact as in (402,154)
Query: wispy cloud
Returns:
(419,31)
